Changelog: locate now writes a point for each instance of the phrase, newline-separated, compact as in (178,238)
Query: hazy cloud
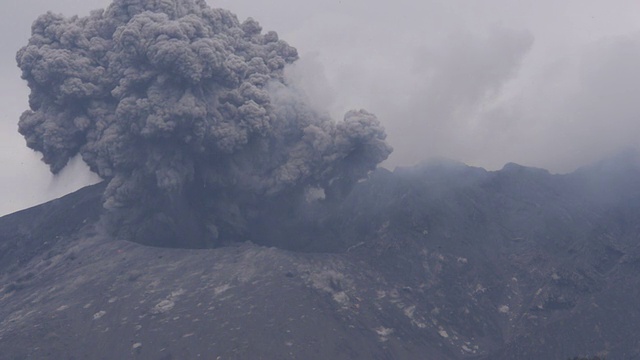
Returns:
(575,110)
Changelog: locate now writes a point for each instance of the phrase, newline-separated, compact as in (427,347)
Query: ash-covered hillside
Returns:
(438,261)
(237,221)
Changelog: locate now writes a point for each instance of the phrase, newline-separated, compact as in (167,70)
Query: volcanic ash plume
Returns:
(186,113)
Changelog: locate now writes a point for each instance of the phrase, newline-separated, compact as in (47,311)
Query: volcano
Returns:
(437,261)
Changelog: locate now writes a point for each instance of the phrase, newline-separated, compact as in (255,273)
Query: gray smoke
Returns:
(187,114)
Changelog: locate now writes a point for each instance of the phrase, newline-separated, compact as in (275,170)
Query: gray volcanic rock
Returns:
(439,261)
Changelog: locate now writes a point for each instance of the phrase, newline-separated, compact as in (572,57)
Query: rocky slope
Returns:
(439,261)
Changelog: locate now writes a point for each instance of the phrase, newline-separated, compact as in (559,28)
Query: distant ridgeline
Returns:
(442,203)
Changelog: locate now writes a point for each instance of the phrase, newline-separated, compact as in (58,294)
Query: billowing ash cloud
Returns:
(186,113)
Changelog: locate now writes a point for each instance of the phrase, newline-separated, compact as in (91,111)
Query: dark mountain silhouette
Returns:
(437,261)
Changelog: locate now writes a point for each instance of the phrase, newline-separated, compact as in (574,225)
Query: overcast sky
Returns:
(543,83)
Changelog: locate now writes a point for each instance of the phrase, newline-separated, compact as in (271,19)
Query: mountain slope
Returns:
(439,261)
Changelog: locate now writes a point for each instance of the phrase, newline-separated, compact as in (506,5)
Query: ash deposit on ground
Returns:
(187,114)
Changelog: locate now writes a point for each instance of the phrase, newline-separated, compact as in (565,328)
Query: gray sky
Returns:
(543,83)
